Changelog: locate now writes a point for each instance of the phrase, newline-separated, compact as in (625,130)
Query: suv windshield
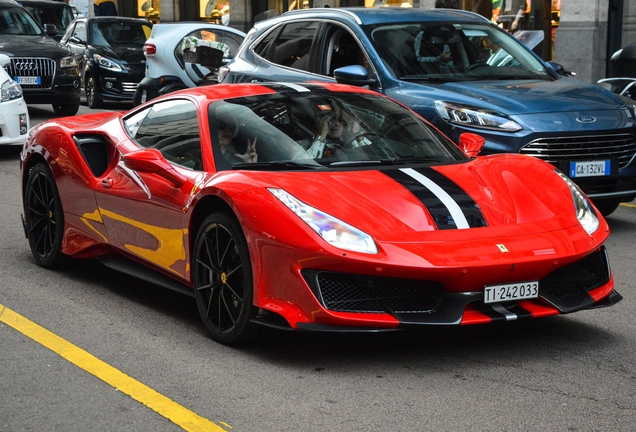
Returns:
(453,52)
(117,33)
(15,20)
(58,14)
(311,130)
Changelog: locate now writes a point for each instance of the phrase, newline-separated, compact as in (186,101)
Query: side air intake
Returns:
(94,149)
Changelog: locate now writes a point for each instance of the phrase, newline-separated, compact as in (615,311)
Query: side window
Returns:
(171,127)
(344,50)
(268,41)
(230,39)
(80,31)
(293,45)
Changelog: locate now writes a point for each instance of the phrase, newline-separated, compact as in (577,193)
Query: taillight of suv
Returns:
(150,49)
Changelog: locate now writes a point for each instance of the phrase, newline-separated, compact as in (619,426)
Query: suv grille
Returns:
(554,150)
(33,67)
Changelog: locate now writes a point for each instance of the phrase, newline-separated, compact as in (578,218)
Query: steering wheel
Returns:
(357,135)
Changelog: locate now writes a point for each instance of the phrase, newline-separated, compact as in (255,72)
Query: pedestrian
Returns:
(105,8)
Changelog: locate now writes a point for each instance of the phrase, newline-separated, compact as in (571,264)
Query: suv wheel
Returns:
(91,94)
(66,109)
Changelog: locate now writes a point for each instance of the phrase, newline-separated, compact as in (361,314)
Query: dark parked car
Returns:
(463,74)
(110,54)
(46,71)
(50,12)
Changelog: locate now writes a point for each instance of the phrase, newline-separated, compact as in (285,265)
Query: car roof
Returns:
(44,3)
(384,15)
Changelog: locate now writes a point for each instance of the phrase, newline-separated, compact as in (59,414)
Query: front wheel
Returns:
(92,100)
(607,207)
(222,277)
(44,217)
(65,110)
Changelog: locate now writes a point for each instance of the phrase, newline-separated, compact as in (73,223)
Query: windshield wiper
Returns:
(276,165)
(391,161)
(436,78)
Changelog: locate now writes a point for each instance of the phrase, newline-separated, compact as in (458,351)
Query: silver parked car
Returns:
(166,69)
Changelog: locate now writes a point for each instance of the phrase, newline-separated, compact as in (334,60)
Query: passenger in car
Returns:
(329,140)
(228,128)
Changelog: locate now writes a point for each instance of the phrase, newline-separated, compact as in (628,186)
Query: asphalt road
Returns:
(567,373)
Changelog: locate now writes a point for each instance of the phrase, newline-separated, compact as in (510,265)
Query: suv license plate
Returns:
(511,292)
(590,169)
(28,80)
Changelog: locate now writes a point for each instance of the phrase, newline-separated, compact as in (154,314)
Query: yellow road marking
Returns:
(157,402)
(629,205)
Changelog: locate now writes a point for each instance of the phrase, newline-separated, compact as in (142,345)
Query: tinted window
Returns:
(171,127)
(115,33)
(16,21)
(61,17)
(362,129)
(293,45)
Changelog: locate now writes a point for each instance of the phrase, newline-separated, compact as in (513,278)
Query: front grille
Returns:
(43,68)
(587,147)
(342,292)
(588,273)
(128,87)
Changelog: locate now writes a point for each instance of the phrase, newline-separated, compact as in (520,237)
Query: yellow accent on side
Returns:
(628,205)
(157,402)
(170,249)
(94,216)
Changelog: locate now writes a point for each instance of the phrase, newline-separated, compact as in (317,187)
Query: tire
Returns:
(92,99)
(66,110)
(44,217)
(607,207)
(222,277)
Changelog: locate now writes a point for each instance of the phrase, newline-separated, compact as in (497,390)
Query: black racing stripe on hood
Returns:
(436,207)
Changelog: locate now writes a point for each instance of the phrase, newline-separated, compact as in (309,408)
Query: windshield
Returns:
(315,130)
(60,16)
(16,21)
(116,33)
(453,52)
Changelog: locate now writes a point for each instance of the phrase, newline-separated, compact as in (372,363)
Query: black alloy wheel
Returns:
(92,100)
(44,217)
(222,277)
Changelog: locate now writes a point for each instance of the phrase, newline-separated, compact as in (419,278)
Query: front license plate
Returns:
(511,292)
(590,168)
(28,80)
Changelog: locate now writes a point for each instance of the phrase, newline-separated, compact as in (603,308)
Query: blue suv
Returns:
(464,75)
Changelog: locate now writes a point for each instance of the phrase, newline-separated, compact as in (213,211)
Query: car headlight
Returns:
(68,62)
(334,231)
(10,90)
(475,117)
(106,63)
(584,211)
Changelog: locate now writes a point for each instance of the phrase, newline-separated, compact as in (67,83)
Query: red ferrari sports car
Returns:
(316,207)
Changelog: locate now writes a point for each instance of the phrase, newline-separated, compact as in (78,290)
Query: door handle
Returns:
(107,183)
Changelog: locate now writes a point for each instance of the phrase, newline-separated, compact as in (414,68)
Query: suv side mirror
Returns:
(50,29)
(354,75)
(558,68)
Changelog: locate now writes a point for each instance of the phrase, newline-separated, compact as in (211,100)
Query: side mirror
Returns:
(152,161)
(471,144)
(50,30)
(558,68)
(354,75)
(76,40)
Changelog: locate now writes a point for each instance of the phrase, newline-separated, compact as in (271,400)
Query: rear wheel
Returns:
(222,276)
(92,100)
(44,217)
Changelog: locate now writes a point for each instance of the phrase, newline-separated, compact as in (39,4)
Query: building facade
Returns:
(581,35)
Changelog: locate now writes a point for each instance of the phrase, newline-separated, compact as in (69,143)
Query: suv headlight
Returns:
(334,231)
(584,211)
(68,62)
(10,90)
(106,63)
(475,117)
